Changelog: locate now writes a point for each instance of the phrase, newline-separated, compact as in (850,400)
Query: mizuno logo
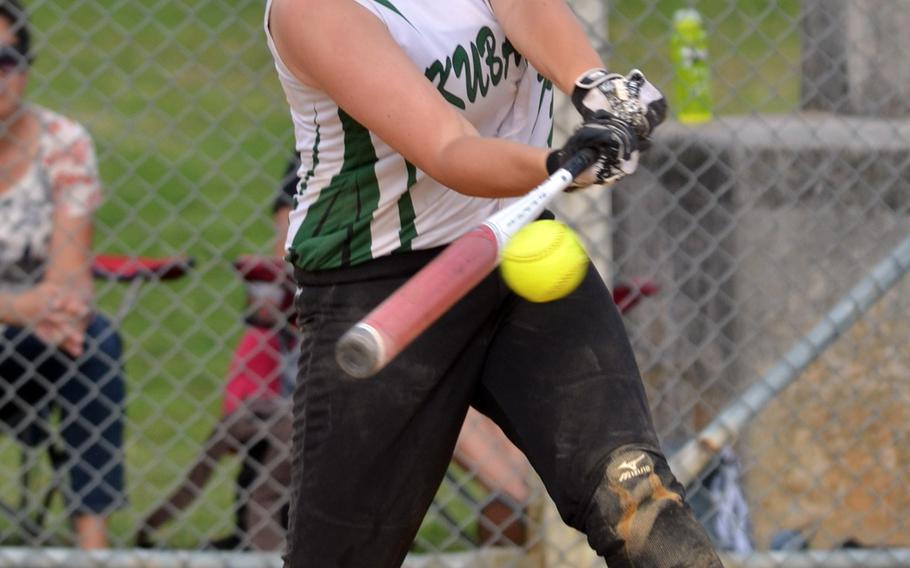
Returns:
(631,469)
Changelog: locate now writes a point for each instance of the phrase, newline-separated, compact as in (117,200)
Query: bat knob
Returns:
(359,351)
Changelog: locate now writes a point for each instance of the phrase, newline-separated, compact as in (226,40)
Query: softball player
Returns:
(414,123)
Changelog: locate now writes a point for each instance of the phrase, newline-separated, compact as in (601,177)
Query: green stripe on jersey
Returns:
(336,229)
(314,153)
(406,215)
(390,6)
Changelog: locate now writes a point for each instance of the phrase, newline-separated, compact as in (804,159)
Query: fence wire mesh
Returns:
(737,236)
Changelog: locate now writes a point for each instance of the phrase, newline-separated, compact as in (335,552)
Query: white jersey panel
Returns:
(386,225)
(358,198)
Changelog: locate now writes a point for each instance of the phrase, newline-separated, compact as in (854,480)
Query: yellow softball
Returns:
(544,261)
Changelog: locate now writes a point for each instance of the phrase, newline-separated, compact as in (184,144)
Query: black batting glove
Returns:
(615,143)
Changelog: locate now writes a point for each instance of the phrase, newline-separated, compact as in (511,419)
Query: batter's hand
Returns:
(613,141)
(632,99)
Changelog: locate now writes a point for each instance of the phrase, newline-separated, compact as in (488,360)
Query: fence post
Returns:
(589,213)
(558,545)
(854,56)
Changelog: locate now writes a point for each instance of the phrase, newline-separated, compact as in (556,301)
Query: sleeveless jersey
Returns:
(357,198)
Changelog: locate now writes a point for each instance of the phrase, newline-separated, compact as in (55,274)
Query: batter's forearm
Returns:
(489,167)
(566,52)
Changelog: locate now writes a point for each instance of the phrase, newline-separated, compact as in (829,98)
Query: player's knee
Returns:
(638,515)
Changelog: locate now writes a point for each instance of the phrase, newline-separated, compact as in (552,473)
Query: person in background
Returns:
(56,351)
(255,421)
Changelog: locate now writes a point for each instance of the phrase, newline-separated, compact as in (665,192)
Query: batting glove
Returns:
(613,141)
(631,98)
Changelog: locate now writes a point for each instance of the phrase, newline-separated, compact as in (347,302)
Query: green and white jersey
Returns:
(357,198)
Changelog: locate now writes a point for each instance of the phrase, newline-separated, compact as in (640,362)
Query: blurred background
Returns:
(758,252)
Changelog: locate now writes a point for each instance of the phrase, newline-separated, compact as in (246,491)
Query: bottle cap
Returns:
(687,20)
(686,14)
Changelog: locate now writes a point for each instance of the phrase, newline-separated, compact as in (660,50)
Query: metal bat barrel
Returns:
(360,351)
(376,339)
(370,344)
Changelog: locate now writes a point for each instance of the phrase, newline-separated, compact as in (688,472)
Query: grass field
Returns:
(192,133)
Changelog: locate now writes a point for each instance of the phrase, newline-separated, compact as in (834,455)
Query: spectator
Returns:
(255,422)
(56,352)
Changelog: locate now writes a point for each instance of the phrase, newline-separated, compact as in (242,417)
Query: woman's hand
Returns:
(614,143)
(56,315)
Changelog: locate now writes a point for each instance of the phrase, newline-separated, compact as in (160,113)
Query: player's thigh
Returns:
(377,448)
(562,380)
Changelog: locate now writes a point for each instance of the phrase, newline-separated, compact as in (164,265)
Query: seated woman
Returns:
(56,353)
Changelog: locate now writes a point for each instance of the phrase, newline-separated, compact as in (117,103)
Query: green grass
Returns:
(753,47)
(192,133)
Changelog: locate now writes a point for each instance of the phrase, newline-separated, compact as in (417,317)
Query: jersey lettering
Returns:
(484,66)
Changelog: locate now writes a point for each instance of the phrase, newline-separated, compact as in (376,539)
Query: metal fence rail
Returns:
(60,557)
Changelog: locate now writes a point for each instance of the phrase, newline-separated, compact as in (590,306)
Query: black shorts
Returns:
(559,378)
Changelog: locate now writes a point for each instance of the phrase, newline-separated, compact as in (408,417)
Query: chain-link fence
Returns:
(757,255)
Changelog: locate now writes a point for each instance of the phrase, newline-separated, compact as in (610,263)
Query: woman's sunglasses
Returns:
(11,59)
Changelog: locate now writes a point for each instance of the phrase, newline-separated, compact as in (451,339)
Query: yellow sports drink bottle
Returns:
(692,77)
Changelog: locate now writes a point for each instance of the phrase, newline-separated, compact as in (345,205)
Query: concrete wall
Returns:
(855,56)
(755,227)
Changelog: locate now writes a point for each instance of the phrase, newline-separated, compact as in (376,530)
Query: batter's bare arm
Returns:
(550,36)
(553,40)
(422,126)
